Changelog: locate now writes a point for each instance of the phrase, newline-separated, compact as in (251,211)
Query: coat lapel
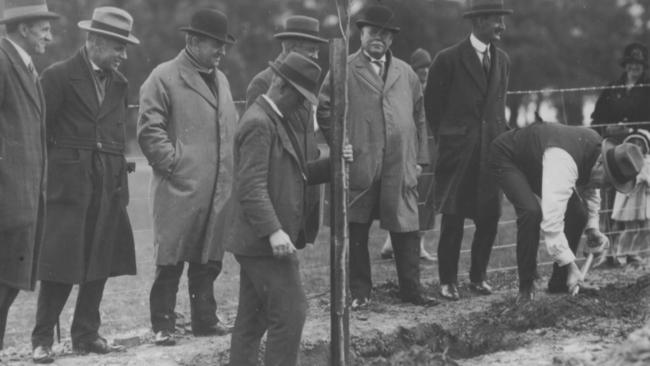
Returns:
(471,62)
(115,93)
(283,131)
(392,75)
(25,77)
(194,81)
(362,67)
(82,83)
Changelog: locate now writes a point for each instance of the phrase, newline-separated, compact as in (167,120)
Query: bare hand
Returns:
(348,153)
(281,244)
(596,243)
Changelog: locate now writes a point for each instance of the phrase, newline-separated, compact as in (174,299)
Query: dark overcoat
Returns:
(186,132)
(466,111)
(302,121)
(623,105)
(271,177)
(387,130)
(22,168)
(88,234)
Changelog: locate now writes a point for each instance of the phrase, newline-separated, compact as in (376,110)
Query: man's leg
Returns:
(451,236)
(162,299)
(7,296)
(486,223)
(360,271)
(406,247)
(51,299)
(87,319)
(203,306)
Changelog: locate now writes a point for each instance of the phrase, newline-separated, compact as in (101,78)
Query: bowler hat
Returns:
(301,72)
(301,27)
(635,53)
(22,10)
(420,58)
(378,16)
(485,7)
(210,23)
(112,22)
(622,164)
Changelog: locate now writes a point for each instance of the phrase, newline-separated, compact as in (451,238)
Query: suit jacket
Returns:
(22,168)
(387,130)
(466,111)
(271,176)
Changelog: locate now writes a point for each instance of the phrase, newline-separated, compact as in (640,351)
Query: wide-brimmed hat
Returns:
(486,7)
(378,16)
(420,58)
(622,164)
(22,10)
(112,22)
(301,72)
(210,23)
(301,27)
(635,53)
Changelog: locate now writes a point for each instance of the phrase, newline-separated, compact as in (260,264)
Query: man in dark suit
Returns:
(465,105)
(271,177)
(22,148)
(88,235)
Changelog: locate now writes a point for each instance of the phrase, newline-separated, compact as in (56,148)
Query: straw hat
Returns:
(112,22)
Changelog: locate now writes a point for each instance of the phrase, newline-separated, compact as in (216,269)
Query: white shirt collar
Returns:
(479,46)
(273,105)
(27,59)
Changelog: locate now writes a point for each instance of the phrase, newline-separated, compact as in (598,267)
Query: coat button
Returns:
(99,145)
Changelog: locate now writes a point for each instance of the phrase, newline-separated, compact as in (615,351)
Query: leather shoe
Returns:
(422,300)
(525,296)
(99,346)
(163,338)
(359,304)
(217,329)
(43,354)
(449,292)
(482,287)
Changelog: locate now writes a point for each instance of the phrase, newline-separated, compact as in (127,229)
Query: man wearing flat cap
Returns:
(465,106)
(300,34)
(88,235)
(186,128)
(388,133)
(22,148)
(271,177)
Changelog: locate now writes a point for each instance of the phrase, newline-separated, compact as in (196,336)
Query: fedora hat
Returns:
(210,23)
(301,72)
(420,58)
(485,7)
(21,10)
(622,164)
(378,16)
(301,27)
(635,53)
(112,22)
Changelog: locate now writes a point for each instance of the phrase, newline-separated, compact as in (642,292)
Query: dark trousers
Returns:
(451,238)
(51,300)
(7,296)
(406,247)
(271,300)
(200,281)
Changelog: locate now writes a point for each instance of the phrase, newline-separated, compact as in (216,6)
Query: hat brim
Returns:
(296,35)
(361,23)
(474,13)
(44,15)
(623,187)
(310,96)
(86,25)
(229,39)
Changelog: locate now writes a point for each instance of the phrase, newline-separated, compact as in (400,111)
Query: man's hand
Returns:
(348,153)
(597,242)
(418,170)
(281,244)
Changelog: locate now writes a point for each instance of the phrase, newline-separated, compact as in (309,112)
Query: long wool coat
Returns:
(22,169)
(466,111)
(187,134)
(88,235)
(387,130)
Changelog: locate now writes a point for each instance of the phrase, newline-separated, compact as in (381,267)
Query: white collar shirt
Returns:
(479,47)
(27,59)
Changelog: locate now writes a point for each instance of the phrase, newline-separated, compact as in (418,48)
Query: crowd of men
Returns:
(221,182)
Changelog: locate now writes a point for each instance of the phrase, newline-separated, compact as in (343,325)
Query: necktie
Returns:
(208,77)
(102,77)
(486,61)
(32,70)
(380,69)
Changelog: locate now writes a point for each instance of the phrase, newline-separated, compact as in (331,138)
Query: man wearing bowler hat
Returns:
(300,34)
(88,235)
(186,128)
(465,106)
(551,173)
(22,148)
(388,133)
(271,177)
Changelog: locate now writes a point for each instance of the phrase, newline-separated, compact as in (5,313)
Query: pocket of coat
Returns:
(122,186)
(65,181)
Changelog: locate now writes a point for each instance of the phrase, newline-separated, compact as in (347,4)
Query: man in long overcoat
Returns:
(186,130)
(88,235)
(22,148)
(465,105)
(388,133)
